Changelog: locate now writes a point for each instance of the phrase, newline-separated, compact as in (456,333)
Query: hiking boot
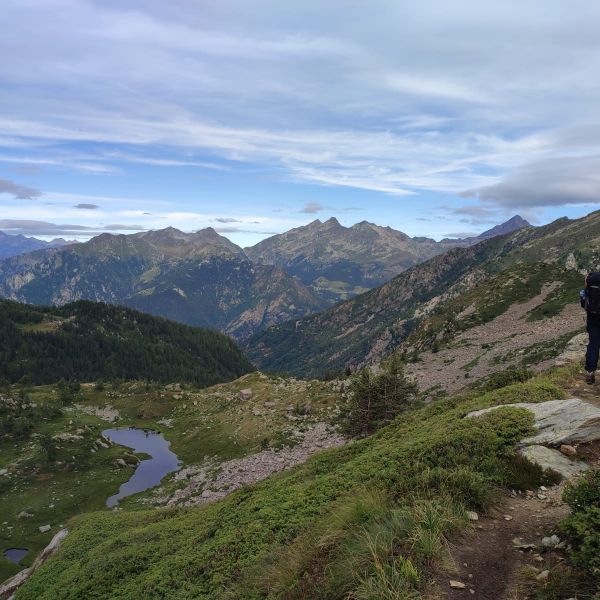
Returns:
(590,378)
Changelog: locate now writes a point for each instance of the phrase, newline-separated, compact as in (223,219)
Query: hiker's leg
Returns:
(593,349)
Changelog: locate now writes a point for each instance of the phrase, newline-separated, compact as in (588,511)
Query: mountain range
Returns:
(339,262)
(370,326)
(204,279)
(13,245)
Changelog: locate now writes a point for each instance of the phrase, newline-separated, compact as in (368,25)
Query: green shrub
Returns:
(522,474)
(377,399)
(504,378)
(582,526)
(585,493)
(583,530)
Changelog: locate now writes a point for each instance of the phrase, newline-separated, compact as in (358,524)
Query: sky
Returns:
(437,118)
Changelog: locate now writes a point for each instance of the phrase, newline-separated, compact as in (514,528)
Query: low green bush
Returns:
(585,493)
(522,474)
(582,526)
(504,378)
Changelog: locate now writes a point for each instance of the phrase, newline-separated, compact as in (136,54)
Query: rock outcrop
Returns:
(10,586)
(574,350)
(558,423)
(548,458)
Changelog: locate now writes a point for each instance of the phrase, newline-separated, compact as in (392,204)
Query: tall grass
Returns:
(369,547)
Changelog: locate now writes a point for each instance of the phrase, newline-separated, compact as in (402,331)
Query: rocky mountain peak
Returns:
(514,223)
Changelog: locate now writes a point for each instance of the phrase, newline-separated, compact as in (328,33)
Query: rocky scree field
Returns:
(523,317)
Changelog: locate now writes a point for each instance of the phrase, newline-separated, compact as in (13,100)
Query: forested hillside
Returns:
(88,341)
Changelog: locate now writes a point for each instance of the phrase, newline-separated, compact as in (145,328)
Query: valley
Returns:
(203,279)
(65,463)
(260,486)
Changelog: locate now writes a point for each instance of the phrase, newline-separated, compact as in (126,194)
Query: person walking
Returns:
(590,300)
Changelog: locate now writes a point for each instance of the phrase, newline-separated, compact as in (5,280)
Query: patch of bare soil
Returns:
(488,559)
(589,393)
(590,453)
(493,346)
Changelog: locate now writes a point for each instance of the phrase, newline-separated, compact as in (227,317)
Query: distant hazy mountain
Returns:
(13,245)
(200,278)
(516,222)
(339,262)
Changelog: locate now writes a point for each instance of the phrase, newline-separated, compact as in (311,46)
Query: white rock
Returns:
(472,515)
(543,575)
(245,394)
(558,421)
(551,541)
(44,528)
(521,545)
(457,585)
(547,458)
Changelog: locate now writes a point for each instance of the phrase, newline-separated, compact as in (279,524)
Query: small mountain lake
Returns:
(15,555)
(149,472)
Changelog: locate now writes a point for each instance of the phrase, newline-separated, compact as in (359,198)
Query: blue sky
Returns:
(439,118)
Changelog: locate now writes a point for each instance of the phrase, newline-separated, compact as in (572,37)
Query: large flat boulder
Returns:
(548,458)
(557,422)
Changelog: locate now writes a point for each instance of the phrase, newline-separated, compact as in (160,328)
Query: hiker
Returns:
(590,300)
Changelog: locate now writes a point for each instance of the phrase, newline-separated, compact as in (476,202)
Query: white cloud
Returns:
(419,97)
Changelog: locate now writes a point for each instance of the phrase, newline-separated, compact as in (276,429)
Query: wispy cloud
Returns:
(86,206)
(31,227)
(419,99)
(16,190)
(311,208)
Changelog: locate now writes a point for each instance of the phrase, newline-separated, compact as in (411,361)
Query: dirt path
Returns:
(487,560)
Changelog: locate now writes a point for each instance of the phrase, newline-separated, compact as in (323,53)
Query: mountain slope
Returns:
(13,245)
(339,262)
(371,325)
(88,341)
(322,530)
(200,279)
